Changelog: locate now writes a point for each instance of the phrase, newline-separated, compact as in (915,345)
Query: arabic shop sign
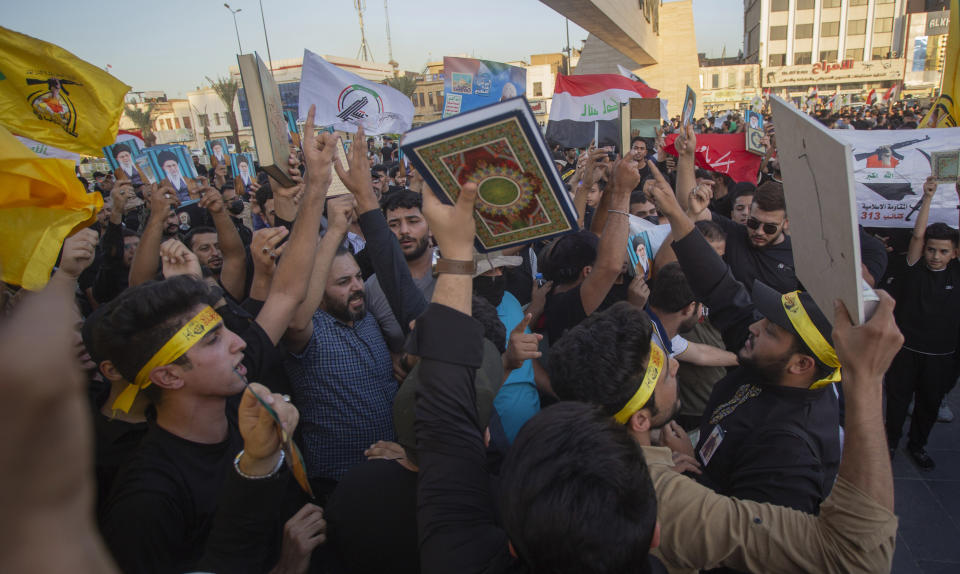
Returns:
(847,71)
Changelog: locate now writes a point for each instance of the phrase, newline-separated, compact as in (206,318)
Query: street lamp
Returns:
(234,12)
(262,19)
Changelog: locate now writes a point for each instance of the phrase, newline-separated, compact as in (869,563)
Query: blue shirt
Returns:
(343,386)
(518,399)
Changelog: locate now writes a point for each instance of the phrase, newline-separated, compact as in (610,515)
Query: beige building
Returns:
(427,98)
(847,46)
(925,52)
(727,83)
(677,63)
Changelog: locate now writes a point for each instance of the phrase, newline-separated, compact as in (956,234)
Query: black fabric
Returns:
(772,265)
(162,505)
(563,311)
(873,254)
(923,378)
(928,307)
(112,276)
(372,519)
(781,446)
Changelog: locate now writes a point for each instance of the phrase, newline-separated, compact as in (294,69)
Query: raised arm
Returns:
(611,250)
(915,250)
(233,274)
(146,260)
(289,287)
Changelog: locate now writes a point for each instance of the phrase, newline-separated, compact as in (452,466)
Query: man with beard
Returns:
(340,368)
(128,169)
(404,218)
(771,428)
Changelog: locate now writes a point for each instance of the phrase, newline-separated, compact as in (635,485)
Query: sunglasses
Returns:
(768,228)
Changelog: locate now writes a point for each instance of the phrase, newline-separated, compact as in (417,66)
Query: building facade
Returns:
(844,46)
(727,83)
(427,98)
(926,50)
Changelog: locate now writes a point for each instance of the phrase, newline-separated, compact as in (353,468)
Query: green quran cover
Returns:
(521,197)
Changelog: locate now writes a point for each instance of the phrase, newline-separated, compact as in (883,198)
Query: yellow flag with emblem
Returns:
(41,203)
(50,95)
(945,112)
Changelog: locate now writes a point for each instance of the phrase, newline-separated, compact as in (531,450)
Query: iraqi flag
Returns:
(580,102)
(892,93)
(870,96)
(722,153)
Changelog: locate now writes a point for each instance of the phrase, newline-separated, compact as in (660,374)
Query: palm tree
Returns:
(141,118)
(226,89)
(403,84)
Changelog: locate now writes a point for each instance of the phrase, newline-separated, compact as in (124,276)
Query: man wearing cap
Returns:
(771,428)
(128,169)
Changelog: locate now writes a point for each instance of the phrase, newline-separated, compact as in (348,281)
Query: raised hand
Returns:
(318,152)
(357,178)
(211,200)
(162,199)
(626,174)
(261,441)
(341,211)
(265,248)
(220,175)
(177,259)
(453,225)
(78,252)
(686,142)
(638,292)
(866,350)
(521,346)
(929,188)
(662,194)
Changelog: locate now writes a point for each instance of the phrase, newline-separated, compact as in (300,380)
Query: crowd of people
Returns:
(546,408)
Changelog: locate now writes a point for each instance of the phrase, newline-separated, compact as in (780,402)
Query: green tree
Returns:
(141,118)
(403,84)
(226,89)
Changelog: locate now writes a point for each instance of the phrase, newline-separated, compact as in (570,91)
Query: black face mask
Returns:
(490,288)
(654,219)
(235,206)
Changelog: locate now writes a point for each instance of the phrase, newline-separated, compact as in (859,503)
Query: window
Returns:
(856,27)
(204,120)
(715,81)
(732,80)
(805,4)
(421,99)
(748,79)
(828,55)
(881,53)
(884,2)
(830,4)
(170,124)
(430,98)
(777,59)
(830,29)
(413,98)
(440,99)
(858,2)
(537,89)
(176,122)
(855,54)
(883,25)
(186,122)
(803,31)
(778,33)
(800,58)
(780,5)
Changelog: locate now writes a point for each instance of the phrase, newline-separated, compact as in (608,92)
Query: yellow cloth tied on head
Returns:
(181,342)
(655,366)
(812,337)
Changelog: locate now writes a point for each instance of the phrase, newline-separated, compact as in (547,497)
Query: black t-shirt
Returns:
(928,308)
(563,311)
(163,501)
(114,442)
(773,265)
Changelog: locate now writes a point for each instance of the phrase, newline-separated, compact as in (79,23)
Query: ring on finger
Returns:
(286,398)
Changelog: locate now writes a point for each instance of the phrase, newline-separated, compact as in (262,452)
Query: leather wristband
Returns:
(454,267)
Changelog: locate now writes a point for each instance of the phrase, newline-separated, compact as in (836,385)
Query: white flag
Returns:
(345,100)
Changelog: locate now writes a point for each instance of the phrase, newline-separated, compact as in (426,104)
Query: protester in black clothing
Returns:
(118,245)
(928,306)
(771,429)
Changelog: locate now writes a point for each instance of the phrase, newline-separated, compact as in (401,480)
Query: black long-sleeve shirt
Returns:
(113,276)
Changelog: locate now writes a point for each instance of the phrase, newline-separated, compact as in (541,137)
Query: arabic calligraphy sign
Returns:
(847,71)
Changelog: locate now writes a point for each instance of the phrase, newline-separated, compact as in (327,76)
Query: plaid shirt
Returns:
(343,386)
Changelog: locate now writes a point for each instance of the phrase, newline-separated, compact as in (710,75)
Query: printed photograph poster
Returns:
(890,167)
(124,153)
(218,150)
(175,165)
(469,83)
(241,165)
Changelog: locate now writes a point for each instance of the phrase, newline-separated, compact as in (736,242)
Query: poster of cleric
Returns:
(890,167)
(469,84)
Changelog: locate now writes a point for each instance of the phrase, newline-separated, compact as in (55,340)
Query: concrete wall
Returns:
(628,26)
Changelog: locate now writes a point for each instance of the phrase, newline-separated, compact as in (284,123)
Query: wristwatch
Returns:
(453,266)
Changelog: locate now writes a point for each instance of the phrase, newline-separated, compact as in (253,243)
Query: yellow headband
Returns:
(179,343)
(654,367)
(812,337)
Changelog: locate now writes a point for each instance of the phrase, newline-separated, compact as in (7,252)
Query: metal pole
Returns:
(265,39)
(235,28)
(568,45)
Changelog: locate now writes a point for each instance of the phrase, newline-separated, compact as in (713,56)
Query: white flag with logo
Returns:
(345,100)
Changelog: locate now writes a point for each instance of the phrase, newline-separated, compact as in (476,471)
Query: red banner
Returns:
(723,153)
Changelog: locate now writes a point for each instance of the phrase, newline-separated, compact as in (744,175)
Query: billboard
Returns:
(469,84)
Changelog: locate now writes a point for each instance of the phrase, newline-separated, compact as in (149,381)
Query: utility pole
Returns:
(568,45)
(234,12)
(265,39)
(392,62)
(364,52)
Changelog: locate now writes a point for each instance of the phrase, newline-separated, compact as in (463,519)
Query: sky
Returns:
(172,46)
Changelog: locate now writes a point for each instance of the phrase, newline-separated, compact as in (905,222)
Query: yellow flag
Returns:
(41,203)
(945,112)
(49,95)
